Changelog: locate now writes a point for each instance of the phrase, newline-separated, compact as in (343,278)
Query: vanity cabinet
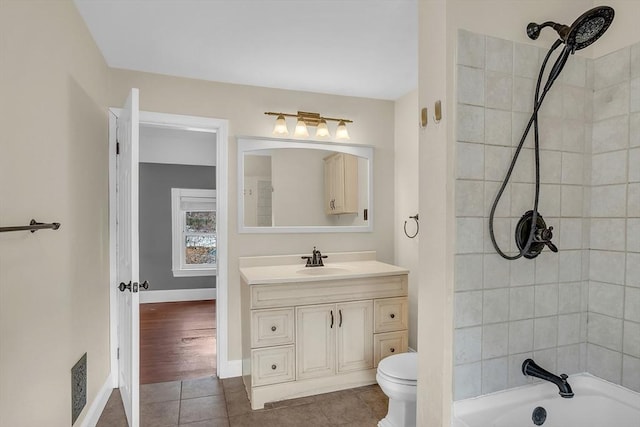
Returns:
(306,338)
(341,184)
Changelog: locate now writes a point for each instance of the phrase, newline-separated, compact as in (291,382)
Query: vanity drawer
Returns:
(389,343)
(272,365)
(271,327)
(390,314)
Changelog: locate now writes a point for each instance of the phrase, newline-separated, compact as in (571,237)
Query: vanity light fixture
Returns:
(305,119)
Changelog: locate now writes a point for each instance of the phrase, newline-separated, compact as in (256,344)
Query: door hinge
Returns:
(117,148)
(118,353)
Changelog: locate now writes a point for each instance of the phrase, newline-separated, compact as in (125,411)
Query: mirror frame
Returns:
(249,143)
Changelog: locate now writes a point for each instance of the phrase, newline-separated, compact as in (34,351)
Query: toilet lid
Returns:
(403,366)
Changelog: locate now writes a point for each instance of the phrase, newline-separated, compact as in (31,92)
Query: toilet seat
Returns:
(392,380)
(400,368)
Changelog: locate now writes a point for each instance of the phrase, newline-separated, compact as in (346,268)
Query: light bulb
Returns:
(322,131)
(341,131)
(301,128)
(281,126)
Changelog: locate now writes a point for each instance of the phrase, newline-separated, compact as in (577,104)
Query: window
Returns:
(194,246)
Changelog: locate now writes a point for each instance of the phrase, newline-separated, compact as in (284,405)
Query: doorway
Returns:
(184,123)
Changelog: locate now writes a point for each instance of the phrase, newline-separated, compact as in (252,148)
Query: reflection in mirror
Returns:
(299,186)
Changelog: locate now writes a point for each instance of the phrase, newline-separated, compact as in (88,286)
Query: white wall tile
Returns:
(605,298)
(495,306)
(521,336)
(496,271)
(575,72)
(569,329)
(609,201)
(607,266)
(523,93)
(550,167)
(494,375)
(519,123)
(633,234)
(524,169)
(503,209)
(569,360)
(499,55)
(609,168)
(551,133)
(497,127)
(634,96)
(545,332)
(547,267)
(605,331)
(574,102)
(496,162)
(604,363)
(610,134)
(502,232)
(552,106)
(521,303)
(631,372)
(470,123)
(631,338)
(467,380)
(571,201)
(633,270)
(634,165)
(498,90)
(635,60)
(549,203)
(495,340)
(516,377)
(547,359)
(633,201)
(570,266)
(522,272)
(612,68)
(468,274)
(570,233)
(469,161)
(634,130)
(470,49)
(546,300)
(469,235)
(470,85)
(467,345)
(469,198)
(572,168)
(525,61)
(608,234)
(468,309)
(632,304)
(521,199)
(569,297)
(573,136)
(610,102)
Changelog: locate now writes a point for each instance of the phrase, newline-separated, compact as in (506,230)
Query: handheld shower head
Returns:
(588,28)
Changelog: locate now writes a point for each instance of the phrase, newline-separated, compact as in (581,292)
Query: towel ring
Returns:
(415,217)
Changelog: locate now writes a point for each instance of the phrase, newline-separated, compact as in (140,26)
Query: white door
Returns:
(127,259)
(315,340)
(355,336)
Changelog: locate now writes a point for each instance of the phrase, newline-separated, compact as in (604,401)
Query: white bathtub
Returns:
(597,403)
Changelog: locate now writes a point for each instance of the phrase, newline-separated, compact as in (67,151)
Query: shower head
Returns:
(588,28)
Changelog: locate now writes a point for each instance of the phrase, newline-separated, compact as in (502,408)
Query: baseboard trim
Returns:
(232,369)
(147,297)
(98,404)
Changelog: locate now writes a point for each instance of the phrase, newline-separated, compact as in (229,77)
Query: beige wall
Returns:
(54,299)
(406,203)
(244,107)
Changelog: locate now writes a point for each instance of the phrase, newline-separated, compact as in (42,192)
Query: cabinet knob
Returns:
(273,367)
(393,316)
(393,350)
(273,329)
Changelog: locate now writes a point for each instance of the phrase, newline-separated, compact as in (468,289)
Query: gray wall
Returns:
(156,181)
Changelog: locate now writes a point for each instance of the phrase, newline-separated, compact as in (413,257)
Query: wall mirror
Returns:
(294,186)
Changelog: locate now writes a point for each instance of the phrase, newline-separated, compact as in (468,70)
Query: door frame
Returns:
(194,123)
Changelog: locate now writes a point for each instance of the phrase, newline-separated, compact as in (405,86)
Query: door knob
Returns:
(124,286)
(145,285)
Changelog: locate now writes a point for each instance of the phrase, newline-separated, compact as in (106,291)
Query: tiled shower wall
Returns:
(614,275)
(508,311)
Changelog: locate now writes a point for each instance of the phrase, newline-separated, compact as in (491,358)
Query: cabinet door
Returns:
(315,341)
(355,335)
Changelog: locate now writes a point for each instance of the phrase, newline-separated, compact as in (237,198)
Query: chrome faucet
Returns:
(315,260)
(529,367)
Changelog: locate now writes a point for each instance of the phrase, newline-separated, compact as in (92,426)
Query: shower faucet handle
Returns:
(545,237)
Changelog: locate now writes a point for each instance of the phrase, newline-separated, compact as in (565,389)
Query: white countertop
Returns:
(287,273)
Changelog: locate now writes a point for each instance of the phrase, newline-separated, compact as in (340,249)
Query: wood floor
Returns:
(177,341)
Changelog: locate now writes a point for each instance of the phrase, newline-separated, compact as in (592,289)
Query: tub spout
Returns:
(529,367)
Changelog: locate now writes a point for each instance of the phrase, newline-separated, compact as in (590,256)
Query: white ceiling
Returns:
(365,48)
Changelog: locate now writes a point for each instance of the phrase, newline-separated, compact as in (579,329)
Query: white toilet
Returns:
(397,376)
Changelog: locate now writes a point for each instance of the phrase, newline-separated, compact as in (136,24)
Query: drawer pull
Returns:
(273,367)
(392,315)
(273,329)
(392,350)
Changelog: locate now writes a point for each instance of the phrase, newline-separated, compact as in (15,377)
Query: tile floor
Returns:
(210,402)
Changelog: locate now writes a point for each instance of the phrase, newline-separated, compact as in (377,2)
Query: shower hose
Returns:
(553,75)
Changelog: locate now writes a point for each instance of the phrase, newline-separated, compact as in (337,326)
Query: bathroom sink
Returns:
(323,271)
